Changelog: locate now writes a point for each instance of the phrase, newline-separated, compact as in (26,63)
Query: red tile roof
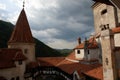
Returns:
(22,32)
(71,56)
(33,65)
(8,56)
(80,46)
(92,44)
(70,67)
(19,56)
(116,30)
(95,73)
(49,61)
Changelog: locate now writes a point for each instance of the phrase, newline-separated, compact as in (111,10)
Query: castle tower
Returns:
(105,16)
(108,55)
(22,37)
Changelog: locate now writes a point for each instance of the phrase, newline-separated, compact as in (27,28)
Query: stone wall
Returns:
(14,72)
(108,55)
(94,54)
(104,15)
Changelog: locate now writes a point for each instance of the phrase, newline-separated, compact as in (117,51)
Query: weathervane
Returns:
(23,3)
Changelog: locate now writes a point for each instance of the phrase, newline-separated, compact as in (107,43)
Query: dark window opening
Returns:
(78,51)
(88,52)
(104,27)
(20,62)
(12,79)
(26,51)
(104,12)
(17,78)
(106,60)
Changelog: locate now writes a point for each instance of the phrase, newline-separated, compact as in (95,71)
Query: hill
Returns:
(65,52)
(42,50)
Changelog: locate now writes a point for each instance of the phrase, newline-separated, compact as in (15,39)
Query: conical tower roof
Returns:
(22,32)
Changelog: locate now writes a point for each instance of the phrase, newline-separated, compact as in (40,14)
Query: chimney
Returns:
(79,40)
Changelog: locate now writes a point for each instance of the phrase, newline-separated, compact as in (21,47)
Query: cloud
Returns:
(2,6)
(62,44)
(54,21)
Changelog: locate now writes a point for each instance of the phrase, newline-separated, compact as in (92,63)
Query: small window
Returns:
(78,51)
(17,78)
(107,26)
(103,11)
(106,60)
(88,52)
(20,62)
(25,50)
(12,79)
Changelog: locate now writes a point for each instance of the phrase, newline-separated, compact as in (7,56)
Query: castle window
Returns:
(88,52)
(78,51)
(103,11)
(107,26)
(12,79)
(106,60)
(25,50)
(17,78)
(20,62)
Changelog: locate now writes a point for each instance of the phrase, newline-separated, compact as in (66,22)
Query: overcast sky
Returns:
(57,23)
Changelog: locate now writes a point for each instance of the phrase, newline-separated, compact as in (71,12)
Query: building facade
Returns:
(107,29)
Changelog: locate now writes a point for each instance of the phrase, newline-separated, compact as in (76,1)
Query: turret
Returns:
(22,37)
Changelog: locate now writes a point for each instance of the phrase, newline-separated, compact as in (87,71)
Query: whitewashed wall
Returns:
(81,55)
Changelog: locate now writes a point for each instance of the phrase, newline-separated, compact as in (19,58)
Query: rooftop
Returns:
(22,32)
(8,56)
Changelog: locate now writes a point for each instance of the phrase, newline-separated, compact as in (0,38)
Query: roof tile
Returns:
(7,57)
(116,30)
(49,61)
(22,32)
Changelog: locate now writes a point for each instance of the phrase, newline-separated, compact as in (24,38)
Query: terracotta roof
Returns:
(103,1)
(71,56)
(95,73)
(33,64)
(70,67)
(92,44)
(2,78)
(49,61)
(22,32)
(19,56)
(8,56)
(116,30)
(80,46)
